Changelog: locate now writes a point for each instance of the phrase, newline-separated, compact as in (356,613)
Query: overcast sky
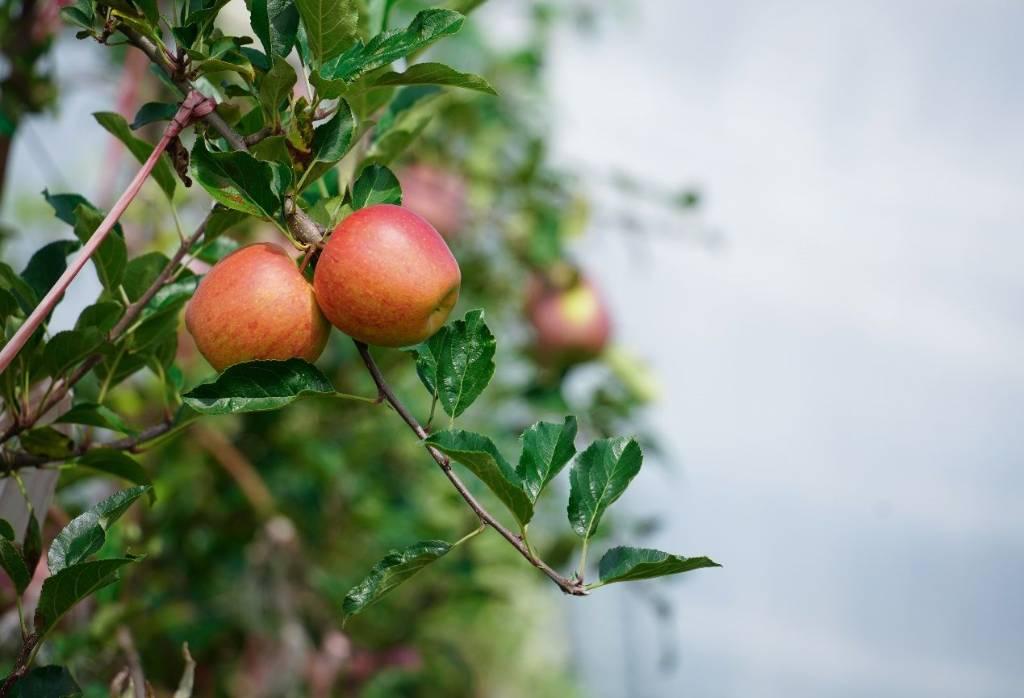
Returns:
(844,383)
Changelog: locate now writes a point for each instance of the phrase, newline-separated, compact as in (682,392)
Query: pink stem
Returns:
(194,106)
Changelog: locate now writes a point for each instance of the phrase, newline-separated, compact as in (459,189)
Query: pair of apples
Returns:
(385,277)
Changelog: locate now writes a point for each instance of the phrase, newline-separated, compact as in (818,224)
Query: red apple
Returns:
(570,324)
(436,194)
(255,304)
(386,277)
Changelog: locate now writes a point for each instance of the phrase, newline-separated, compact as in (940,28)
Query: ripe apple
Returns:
(386,277)
(436,194)
(255,304)
(570,324)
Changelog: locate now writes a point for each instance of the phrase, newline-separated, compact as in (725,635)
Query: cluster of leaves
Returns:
(455,366)
(73,577)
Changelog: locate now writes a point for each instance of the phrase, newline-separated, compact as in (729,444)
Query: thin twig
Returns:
(238,467)
(124,638)
(20,665)
(569,586)
(15,460)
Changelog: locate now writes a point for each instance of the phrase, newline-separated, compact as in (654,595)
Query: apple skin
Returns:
(570,325)
(255,304)
(435,194)
(386,277)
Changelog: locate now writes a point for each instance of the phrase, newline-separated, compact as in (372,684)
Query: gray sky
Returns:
(844,384)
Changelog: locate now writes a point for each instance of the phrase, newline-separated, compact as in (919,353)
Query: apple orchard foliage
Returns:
(302,165)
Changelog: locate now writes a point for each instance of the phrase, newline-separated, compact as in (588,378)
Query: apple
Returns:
(436,194)
(570,324)
(255,304)
(386,277)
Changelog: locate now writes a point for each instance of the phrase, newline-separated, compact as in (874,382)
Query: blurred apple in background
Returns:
(571,322)
(435,194)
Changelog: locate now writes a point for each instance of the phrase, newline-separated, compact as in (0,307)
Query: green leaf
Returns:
(240,181)
(118,464)
(402,121)
(547,448)
(80,14)
(221,219)
(481,456)
(61,591)
(141,272)
(113,373)
(434,74)
(158,326)
(275,87)
(275,23)
(6,529)
(457,363)
(231,63)
(599,477)
(32,548)
(9,305)
(46,442)
(331,26)
(116,125)
(624,564)
(14,565)
(426,27)
(111,256)
(101,316)
(86,533)
(65,208)
(172,294)
(46,682)
(149,10)
(67,349)
(331,141)
(91,414)
(215,250)
(202,13)
(397,567)
(258,386)
(376,185)
(23,294)
(152,112)
(47,264)
(273,149)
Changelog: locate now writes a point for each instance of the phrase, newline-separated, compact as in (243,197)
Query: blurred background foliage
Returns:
(264,521)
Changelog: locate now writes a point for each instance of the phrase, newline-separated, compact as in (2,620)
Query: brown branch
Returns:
(173,70)
(569,586)
(20,664)
(254,138)
(238,467)
(13,460)
(127,643)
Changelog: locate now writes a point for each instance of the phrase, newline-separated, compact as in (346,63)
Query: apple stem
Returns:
(194,106)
